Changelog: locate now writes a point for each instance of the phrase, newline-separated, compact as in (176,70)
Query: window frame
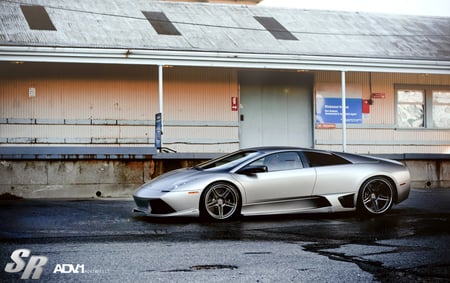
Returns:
(428,122)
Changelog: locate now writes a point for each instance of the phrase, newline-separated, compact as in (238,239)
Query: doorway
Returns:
(276,109)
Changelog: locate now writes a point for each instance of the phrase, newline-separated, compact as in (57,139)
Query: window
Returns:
(423,107)
(227,161)
(410,106)
(275,28)
(279,161)
(37,17)
(316,159)
(161,23)
(441,109)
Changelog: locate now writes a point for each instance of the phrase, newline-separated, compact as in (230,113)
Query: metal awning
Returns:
(220,59)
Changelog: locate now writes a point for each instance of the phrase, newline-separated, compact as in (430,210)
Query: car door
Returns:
(285,179)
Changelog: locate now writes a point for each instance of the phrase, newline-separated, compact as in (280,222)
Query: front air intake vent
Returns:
(158,206)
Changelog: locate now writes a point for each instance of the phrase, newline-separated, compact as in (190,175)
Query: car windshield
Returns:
(227,161)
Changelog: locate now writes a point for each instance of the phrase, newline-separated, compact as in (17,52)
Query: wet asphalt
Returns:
(101,240)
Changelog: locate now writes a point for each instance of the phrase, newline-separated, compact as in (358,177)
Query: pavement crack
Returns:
(257,253)
(213,266)
(380,272)
(203,267)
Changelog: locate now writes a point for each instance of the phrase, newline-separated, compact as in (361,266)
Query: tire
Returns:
(376,196)
(220,201)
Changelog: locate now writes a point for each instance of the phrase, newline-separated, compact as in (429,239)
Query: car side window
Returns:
(316,159)
(280,161)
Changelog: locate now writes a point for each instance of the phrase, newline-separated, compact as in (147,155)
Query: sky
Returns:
(408,7)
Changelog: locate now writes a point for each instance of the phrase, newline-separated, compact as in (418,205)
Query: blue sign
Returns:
(158,130)
(329,110)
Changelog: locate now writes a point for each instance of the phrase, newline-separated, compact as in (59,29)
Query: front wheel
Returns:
(220,201)
(376,196)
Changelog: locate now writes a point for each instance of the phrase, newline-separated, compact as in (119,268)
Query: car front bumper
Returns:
(168,205)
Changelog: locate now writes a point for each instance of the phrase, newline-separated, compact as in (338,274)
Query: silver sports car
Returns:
(276,180)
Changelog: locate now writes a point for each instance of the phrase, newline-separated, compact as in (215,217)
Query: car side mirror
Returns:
(251,170)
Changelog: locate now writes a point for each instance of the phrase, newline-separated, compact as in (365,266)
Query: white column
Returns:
(344,114)
(159,128)
(160,88)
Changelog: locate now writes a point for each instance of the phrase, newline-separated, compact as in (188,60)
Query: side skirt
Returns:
(286,206)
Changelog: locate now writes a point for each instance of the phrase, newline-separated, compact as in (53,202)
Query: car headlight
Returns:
(175,186)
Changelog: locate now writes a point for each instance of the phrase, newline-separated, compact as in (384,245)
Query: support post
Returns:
(159,115)
(344,113)
(160,88)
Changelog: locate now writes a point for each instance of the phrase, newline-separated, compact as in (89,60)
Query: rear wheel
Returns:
(376,196)
(220,201)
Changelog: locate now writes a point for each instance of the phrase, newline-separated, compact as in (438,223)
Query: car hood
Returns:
(170,181)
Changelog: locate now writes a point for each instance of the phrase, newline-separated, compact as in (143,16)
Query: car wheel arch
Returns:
(366,180)
(386,176)
(216,182)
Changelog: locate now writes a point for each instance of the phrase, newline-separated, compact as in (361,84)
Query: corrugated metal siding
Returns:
(99,104)
(196,101)
(199,94)
(378,133)
(79,104)
(78,92)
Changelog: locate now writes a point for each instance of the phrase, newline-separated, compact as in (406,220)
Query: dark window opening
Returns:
(37,17)
(316,159)
(275,28)
(161,23)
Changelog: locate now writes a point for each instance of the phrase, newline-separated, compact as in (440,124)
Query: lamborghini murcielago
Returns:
(276,180)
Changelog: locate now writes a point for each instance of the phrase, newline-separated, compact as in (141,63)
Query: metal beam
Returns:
(221,59)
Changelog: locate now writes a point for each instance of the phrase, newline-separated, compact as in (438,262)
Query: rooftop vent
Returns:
(161,23)
(37,17)
(275,28)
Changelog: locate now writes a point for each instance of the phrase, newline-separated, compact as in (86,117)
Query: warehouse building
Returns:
(99,85)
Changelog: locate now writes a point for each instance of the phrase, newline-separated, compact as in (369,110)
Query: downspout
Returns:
(344,113)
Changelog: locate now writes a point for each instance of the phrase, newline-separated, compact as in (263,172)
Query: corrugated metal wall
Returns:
(96,91)
(197,109)
(111,104)
(378,133)
(115,105)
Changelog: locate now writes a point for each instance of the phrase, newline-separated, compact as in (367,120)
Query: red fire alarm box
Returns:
(366,106)
(234,103)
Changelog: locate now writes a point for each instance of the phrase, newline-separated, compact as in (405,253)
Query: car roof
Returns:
(274,148)
(354,158)
(284,148)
